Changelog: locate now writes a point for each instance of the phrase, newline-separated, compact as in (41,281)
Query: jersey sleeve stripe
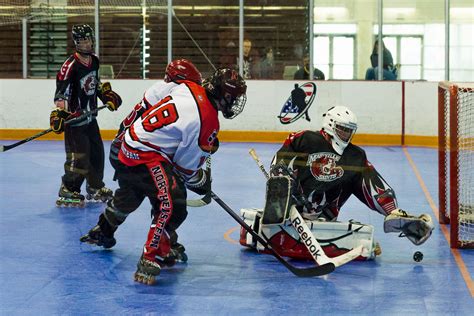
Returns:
(132,133)
(135,138)
(146,103)
(66,68)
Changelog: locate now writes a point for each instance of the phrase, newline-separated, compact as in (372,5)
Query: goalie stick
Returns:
(322,269)
(206,199)
(46,131)
(307,237)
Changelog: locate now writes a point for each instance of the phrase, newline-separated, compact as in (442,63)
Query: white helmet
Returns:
(341,124)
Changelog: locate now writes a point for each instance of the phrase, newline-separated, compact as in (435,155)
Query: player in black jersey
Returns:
(326,169)
(77,88)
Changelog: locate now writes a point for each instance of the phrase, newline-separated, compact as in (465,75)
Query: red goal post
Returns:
(456,161)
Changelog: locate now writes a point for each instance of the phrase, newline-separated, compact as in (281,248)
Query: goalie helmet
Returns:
(80,33)
(182,69)
(228,89)
(341,124)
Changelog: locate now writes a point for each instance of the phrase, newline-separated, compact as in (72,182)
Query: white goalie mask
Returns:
(341,124)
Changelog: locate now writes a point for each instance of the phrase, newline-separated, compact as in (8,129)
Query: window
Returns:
(407,51)
(334,50)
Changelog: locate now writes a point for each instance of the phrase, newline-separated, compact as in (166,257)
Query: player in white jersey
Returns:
(161,155)
(176,71)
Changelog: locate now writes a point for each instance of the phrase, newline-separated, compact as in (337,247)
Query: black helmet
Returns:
(82,32)
(228,88)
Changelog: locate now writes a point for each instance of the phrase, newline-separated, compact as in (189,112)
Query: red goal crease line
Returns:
(457,256)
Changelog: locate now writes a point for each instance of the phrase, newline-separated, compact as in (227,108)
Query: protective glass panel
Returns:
(410,50)
(343,72)
(461,41)
(410,72)
(321,50)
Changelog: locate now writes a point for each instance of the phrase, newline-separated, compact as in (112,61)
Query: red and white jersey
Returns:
(180,128)
(156,92)
(151,96)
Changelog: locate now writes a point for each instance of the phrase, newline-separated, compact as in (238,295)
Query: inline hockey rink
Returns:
(45,270)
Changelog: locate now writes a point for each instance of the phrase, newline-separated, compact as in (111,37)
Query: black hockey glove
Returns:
(215,146)
(57,119)
(200,183)
(110,98)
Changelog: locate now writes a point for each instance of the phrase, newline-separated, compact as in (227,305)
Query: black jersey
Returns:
(326,178)
(77,83)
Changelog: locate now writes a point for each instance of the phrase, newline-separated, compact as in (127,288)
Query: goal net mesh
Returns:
(456,172)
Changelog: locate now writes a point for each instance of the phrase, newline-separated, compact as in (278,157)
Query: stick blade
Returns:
(2,148)
(200,202)
(313,271)
(348,256)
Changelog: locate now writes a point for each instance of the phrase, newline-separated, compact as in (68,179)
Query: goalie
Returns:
(317,171)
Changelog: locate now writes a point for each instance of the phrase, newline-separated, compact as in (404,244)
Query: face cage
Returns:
(345,132)
(232,109)
(78,42)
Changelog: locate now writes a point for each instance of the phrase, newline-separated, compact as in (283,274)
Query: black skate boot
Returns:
(147,270)
(177,254)
(68,198)
(101,235)
(103,194)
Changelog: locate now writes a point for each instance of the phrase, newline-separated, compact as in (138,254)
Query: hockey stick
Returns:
(307,236)
(206,199)
(46,131)
(301,272)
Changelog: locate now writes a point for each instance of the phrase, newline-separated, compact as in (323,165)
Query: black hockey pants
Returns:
(84,157)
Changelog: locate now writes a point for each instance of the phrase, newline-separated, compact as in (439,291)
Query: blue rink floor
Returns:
(45,270)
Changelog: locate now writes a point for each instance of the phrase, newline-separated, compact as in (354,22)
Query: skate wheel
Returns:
(378,249)
(151,280)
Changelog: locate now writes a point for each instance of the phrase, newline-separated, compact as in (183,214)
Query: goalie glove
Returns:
(110,98)
(200,183)
(57,119)
(416,229)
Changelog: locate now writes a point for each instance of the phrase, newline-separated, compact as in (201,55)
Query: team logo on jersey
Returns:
(89,83)
(298,103)
(323,166)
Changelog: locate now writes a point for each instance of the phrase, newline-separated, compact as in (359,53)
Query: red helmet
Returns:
(182,69)
(229,89)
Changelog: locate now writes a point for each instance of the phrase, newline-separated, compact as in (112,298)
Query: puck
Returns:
(418,256)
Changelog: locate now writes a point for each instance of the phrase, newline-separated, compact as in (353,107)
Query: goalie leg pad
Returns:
(336,238)
(416,229)
(277,201)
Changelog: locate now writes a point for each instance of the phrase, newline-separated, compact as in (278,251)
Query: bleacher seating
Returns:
(120,37)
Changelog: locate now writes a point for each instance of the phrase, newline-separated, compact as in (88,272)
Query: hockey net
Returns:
(456,161)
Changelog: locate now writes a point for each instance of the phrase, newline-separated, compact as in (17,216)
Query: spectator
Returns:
(267,70)
(303,73)
(389,71)
(233,60)
(247,64)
